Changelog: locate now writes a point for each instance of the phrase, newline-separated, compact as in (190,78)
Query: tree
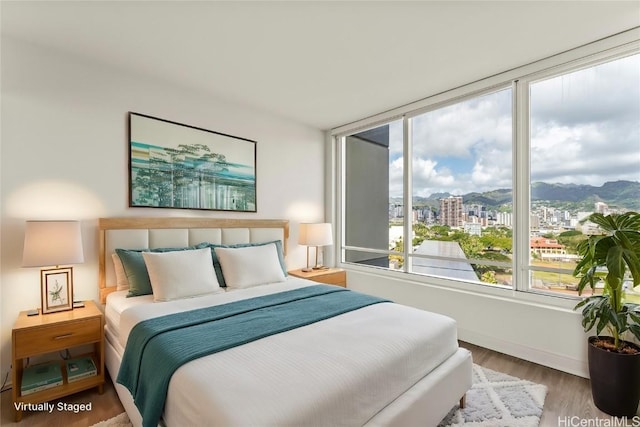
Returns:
(571,240)
(439,232)
(398,247)
(489,277)
(470,244)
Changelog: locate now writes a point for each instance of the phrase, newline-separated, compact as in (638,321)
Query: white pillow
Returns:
(181,274)
(250,266)
(122,283)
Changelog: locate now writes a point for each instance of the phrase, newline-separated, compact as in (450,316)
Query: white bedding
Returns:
(340,371)
(117,302)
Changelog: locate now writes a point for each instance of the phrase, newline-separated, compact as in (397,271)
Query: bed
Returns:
(376,364)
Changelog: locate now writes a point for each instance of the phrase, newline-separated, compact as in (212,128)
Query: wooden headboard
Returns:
(140,233)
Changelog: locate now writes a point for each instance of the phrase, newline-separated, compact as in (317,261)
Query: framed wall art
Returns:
(57,289)
(172,165)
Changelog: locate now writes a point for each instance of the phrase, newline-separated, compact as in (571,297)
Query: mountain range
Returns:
(616,194)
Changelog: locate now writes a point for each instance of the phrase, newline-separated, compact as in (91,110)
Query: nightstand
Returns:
(331,276)
(51,333)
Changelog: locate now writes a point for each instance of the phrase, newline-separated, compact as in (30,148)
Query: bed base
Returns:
(426,403)
(431,398)
(112,363)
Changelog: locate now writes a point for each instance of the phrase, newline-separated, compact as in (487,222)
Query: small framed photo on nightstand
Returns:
(57,289)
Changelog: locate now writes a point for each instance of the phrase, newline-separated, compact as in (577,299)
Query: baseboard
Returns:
(556,361)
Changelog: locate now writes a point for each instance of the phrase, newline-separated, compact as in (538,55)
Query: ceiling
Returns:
(324,63)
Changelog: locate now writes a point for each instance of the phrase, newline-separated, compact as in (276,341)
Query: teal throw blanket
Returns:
(157,347)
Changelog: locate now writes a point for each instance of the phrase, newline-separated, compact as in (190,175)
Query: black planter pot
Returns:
(615,380)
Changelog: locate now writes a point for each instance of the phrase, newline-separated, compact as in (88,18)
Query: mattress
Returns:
(117,302)
(340,371)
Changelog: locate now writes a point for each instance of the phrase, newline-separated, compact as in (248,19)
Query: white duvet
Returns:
(340,371)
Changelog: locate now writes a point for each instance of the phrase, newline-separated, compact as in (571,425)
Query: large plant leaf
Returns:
(590,312)
(610,256)
(606,223)
(622,231)
(615,268)
(618,321)
(604,318)
(630,243)
(628,221)
(634,312)
(587,267)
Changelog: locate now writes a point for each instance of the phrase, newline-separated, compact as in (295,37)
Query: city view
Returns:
(481,224)
(583,157)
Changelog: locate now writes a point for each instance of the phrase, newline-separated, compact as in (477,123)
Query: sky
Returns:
(585,129)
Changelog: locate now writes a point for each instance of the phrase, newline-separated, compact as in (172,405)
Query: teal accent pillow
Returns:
(136,269)
(216,263)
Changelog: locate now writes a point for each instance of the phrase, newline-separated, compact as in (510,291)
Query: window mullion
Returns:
(341,194)
(521,185)
(407,194)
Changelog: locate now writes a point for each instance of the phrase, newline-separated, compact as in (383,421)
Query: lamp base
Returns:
(33,312)
(320,267)
(307,269)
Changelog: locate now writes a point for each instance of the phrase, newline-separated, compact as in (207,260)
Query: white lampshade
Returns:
(315,234)
(52,243)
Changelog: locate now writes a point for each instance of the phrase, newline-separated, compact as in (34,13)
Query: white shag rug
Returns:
(495,400)
(121,420)
(498,399)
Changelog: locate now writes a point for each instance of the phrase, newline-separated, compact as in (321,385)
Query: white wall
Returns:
(547,335)
(64,156)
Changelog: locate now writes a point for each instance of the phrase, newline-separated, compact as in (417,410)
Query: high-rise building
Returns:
(504,218)
(451,211)
(601,207)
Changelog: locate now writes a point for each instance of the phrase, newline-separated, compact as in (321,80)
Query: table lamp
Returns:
(318,234)
(48,244)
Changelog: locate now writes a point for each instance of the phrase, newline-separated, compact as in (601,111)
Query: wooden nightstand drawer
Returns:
(56,337)
(330,276)
(338,278)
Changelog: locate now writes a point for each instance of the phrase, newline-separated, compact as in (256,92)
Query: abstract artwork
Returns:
(172,165)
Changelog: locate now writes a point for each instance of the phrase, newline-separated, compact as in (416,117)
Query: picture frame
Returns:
(173,165)
(56,289)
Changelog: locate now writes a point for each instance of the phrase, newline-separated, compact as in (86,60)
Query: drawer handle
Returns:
(61,337)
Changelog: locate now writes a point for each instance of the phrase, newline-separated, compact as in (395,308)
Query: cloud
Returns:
(396,181)
(454,130)
(603,93)
(428,178)
(463,147)
(584,127)
(583,154)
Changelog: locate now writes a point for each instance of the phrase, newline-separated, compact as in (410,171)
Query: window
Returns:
(469,189)
(373,196)
(585,157)
(462,190)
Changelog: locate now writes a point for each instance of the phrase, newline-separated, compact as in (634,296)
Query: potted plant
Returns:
(612,258)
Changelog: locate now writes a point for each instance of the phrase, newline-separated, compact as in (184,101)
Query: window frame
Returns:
(519,80)
(408,190)
(524,111)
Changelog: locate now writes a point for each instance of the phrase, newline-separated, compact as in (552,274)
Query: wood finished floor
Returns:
(567,396)
(103,407)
